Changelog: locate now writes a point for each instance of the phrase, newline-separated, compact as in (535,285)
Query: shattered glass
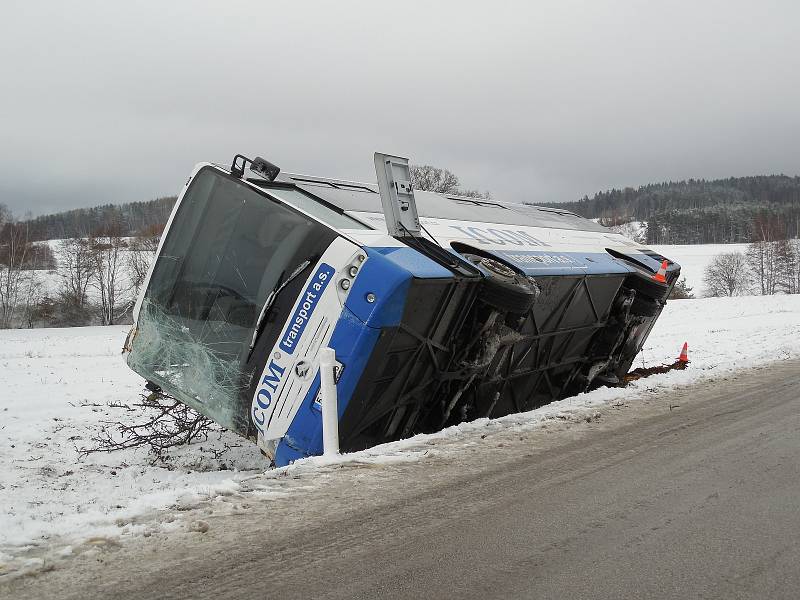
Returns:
(228,248)
(193,367)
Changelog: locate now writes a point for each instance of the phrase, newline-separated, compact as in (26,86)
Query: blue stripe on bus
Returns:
(353,343)
(538,262)
(388,282)
(413,262)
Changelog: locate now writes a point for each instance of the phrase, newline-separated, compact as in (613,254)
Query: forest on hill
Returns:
(700,211)
(696,211)
(129,219)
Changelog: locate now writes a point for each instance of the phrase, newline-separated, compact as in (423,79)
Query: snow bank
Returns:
(56,383)
(55,387)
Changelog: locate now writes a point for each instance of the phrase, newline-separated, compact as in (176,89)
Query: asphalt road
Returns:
(693,494)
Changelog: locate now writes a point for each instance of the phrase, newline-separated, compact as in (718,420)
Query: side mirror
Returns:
(264,168)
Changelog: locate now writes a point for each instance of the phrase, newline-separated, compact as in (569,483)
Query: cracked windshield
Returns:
(229,248)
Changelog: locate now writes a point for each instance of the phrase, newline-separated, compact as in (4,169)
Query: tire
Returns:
(503,288)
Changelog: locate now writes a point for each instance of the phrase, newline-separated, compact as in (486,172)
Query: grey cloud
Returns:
(113,102)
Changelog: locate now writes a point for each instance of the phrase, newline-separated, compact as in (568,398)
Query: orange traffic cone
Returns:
(661,276)
(684,357)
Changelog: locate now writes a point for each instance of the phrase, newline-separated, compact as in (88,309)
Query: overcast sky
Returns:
(114,102)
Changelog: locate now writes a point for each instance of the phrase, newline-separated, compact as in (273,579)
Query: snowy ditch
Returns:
(57,383)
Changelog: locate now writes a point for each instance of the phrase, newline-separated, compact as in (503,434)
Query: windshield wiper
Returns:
(271,300)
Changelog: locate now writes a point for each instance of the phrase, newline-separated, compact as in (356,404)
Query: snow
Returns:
(633,230)
(57,382)
(694,259)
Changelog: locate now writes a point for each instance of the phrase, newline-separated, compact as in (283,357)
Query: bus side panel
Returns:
(353,340)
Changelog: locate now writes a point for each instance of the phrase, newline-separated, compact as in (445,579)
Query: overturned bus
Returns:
(439,308)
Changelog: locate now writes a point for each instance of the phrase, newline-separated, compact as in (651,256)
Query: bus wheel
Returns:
(504,288)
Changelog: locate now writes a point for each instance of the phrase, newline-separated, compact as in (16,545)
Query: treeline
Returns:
(128,219)
(699,211)
(97,275)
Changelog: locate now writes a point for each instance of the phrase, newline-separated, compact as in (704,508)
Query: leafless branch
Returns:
(166,423)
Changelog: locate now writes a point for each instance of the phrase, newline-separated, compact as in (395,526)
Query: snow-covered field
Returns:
(56,383)
(694,260)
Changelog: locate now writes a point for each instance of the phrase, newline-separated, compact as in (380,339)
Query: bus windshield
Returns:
(227,249)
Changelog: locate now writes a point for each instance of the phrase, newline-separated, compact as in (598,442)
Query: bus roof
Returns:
(364,197)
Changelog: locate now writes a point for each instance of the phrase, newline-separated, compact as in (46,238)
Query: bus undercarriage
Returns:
(454,357)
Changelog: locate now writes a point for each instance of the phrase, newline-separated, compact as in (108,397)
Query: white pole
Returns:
(330,410)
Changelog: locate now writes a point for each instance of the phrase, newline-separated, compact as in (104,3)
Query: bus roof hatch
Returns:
(397,195)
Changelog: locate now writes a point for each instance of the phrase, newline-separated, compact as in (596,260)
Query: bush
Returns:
(726,275)
(681,291)
(61,311)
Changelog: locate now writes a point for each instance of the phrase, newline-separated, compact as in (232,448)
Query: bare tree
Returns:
(442,181)
(786,266)
(795,267)
(726,275)
(433,179)
(141,252)
(42,257)
(763,252)
(107,253)
(762,260)
(14,250)
(76,268)
(32,297)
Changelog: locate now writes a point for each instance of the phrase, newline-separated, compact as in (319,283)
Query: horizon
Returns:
(25,217)
(535,102)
